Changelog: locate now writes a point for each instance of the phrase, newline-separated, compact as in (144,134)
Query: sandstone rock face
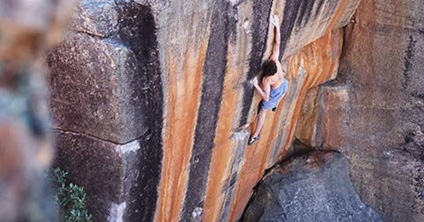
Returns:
(373,112)
(315,187)
(172,77)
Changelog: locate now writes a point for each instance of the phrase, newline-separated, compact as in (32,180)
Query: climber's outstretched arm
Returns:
(276,45)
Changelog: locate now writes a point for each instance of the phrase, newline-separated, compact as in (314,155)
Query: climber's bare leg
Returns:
(261,121)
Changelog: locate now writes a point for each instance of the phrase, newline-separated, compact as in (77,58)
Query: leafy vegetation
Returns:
(70,199)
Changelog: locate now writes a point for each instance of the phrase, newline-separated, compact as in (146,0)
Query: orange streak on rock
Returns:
(341,10)
(179,131)
(319,61)
(252,171)
(222,155)
(344,11)
(221,158)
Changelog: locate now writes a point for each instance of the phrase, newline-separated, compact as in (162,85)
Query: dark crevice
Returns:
(418,95)
(414,144)
(92,34)
(409,55)
(297,149)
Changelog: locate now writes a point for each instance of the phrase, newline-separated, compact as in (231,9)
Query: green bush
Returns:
(70,199)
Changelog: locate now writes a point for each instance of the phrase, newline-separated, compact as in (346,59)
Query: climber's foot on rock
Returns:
(252,140)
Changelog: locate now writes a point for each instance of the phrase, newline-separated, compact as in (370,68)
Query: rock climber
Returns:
(274,85)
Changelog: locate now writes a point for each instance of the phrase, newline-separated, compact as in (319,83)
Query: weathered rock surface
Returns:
(111,86)
(314,187)
(174,75)
(118,178)
(373,112)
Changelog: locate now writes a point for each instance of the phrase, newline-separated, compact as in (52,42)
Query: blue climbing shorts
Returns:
(275,96)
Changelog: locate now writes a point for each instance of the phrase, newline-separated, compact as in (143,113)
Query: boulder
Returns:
(314,187)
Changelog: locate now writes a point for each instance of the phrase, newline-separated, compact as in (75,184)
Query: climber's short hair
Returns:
(269,68)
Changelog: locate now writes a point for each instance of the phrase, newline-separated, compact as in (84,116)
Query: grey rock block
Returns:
(93,83)
(98,88)
(108,88)
(120,180)
(315,187)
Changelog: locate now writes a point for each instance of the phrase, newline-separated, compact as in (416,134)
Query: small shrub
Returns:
(70,199)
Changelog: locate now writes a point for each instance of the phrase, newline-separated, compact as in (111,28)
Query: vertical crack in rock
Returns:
(138,30)
(260,24)
(410,51)
(212,87)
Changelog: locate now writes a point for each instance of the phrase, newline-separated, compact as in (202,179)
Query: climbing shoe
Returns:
(273,109)
(252,140)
